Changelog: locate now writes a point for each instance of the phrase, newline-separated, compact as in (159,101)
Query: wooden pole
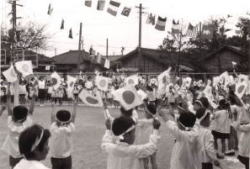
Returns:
(80,47)
(107,48)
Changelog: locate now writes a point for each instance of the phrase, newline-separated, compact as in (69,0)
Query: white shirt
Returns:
(184,152)
(221,122)
(10,145)
(25,164)
(41,84)
(124,156)
(61,140)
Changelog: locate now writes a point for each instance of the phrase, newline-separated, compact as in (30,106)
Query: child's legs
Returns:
(13,161)
(207,166)
(153,161)
(146,163)
(61,163)
(244,160)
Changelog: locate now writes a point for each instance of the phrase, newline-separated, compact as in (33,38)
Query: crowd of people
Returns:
(205,131)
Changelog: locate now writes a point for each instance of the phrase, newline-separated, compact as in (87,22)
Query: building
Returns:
(151,60)
(75,61)
(41,63)
(221,60)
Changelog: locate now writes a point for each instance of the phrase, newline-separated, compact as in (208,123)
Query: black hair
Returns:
(19,113)
(187,119)
(29,136)
(223,104)
(151,106)
(121,124)
(127,113)
(200,112)
(63,115)
(204,102)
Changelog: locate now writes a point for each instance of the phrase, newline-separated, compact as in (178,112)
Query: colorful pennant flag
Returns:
(151,19)
(207,31)
(127,97)
(56,80)
(91,99)
(113,7)
(161,23)
(88,3)
(62,24)
(100,5)
(10,74)
(132,80)
(176,28)
(126,11)
(50,9)
(102,83)
(192,31)
(70,34)
(24,67)
(107,63)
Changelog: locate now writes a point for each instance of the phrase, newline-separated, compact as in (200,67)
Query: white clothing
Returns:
(184,153)
(61,140)
(10,145)
(143,130)
(41,84)
(88,84)
(124,156)
(26,164)
(221,122)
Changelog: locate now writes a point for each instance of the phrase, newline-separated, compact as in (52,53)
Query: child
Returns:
(123,154)
(221,128)
(207,151)
(18,120)
(33,145)
(184,152)
(61,130)
(144,129)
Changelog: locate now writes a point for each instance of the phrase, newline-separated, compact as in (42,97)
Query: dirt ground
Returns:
(90,128)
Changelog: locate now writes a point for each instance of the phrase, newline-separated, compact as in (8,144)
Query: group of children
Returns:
(202,137)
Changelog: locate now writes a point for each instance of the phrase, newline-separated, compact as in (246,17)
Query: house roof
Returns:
(72,57)
(31,55)
(161,57)
(234,49)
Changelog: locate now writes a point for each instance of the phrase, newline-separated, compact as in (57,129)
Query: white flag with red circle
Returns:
(132,80)
(56,80)
(127,97)
(24,67)
(241,88)
(102,83)
(10,74)
(90,98)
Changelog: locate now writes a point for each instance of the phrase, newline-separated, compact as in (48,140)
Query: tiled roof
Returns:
(72,57)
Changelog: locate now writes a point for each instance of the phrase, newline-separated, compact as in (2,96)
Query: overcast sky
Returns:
(120,30)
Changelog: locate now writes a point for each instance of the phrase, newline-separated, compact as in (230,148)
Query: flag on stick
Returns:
(132,80)
(56,80)
(161,23)
(113,7)
(10,74)
(107,63)
(126,11)
(91,99)
(102,83)
(151,19)
(192,31)
(24,67)
(176,28)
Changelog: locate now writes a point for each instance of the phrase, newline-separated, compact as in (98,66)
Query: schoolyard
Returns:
(90,128)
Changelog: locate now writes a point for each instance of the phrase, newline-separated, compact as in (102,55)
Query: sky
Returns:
(120,30)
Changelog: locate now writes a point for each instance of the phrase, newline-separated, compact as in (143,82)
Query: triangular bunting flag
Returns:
(70,34)
(10,74)
(50,9)
(24,67)
(56,80)
(107,64)
(88,3)
(62,24)
(127,97)
(126,11)
(102,83)
(113,7)
(91,99)
(132,80)
(151,19)
(161,23)
(100,5)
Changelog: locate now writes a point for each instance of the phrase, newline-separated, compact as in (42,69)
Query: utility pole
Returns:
(107,48)
(13,47)
(80,47)
(140,36)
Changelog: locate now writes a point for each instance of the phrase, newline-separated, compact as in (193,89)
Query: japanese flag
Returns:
(209,95)
(186,82)
(102,83)
(24,67)
(10,74)
(132,80)
(127,97)
(90,98)
(70,83)
(164,78)
(240,88)
(56,80)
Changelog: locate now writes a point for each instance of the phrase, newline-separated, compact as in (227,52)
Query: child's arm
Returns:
(9,101)
(32,104)
(74,112)
(53,118)
(244,127)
